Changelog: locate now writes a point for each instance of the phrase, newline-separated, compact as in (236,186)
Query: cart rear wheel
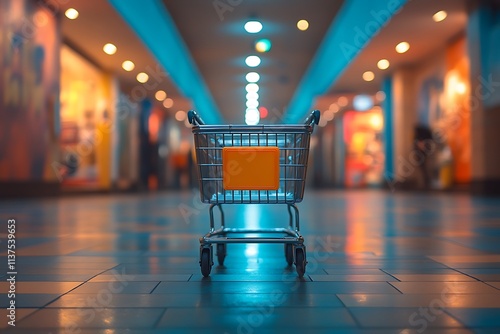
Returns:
(221,253)
(206,262)
(300,261)
(289,254)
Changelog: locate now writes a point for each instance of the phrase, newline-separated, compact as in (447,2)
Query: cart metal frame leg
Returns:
(295,250)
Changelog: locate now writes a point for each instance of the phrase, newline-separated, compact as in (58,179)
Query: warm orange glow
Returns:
(128,65)
(142,77)
(343,101)
(402,47)
(303,25)
(368,76)
(180,115)
(154,127)
(439,16)
(109,49)
(161,95)
(168,103)
(383,64)
(72,14)
(376,122)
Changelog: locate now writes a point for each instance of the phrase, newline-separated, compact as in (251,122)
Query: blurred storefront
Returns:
(87,121)
(348,151)
(364,151)
(29,98)
(432,94)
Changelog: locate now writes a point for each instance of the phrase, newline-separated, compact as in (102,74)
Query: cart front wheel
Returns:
(206,262)
(289,254)
(221,253)
(300,261)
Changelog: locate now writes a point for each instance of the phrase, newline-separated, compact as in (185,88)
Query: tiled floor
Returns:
(379,262)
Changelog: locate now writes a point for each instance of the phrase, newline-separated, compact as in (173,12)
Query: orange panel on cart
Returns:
(251,168)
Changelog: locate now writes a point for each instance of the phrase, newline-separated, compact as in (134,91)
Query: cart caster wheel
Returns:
(289,254)
(221,253)
(300,261)
(206,262)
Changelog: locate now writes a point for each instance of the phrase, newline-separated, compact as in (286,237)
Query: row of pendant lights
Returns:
(128,65)
(254,113)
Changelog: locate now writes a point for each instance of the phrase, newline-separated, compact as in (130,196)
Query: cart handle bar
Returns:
(312,119)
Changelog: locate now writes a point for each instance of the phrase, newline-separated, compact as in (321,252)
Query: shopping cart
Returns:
(240,164)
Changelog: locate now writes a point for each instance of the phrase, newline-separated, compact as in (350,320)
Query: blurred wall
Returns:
(29,95)
(483,31)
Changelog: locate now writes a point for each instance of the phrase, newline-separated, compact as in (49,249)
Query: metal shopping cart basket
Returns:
(240,164)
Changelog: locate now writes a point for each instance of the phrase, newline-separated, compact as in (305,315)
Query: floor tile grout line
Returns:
(157,322)
(358,324)
(464,245)
(490,285)
(469,275)
(151,292)
(390,274)
(65,293)
(395,288)
(446,310)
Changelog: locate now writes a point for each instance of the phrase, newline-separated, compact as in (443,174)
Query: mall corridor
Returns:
(378,262)
(124,122)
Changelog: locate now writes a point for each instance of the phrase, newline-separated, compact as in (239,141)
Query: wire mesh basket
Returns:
(291,141)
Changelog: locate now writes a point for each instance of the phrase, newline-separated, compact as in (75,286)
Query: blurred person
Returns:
(424,145)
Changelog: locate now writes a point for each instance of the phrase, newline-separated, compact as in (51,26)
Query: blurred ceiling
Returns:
(218,45)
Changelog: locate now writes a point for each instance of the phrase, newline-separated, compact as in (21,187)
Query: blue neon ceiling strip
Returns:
(155,27)
(357,22)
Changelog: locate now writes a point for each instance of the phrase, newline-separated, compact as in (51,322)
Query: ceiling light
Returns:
(322,122)
(252,103)
(160,95)
(128,66)
(368,76)
(303,25)
(329,115)
(383,64)
(252,77)
(253,27)
(263,45)
(402,47)
(439,16)
(168,103)
(109,49)
(362,102)
(142,77)
(252,88)
(71,13)
(252,96)
(343,101)
(380,96)
(252,116)
(334,107)
(252,61)
(180,115)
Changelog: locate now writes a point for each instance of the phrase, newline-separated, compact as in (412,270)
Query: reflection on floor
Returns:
(378,263)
